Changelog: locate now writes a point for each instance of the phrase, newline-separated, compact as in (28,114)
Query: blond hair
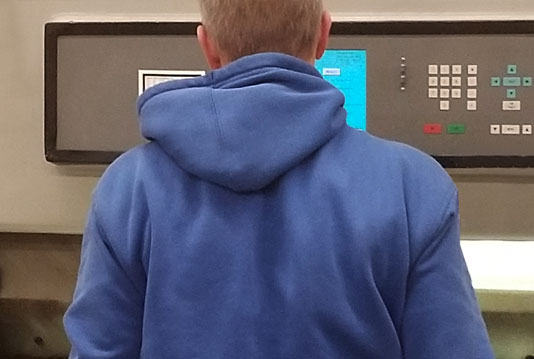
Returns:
(245,27)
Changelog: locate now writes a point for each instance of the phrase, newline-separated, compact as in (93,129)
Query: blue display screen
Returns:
(347,70)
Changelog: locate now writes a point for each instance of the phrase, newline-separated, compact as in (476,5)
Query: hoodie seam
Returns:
(216,115)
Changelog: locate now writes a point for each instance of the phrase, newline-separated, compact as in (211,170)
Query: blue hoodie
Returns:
(256,224)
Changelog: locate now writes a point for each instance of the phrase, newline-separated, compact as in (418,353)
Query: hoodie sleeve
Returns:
(105,318)
(442,318)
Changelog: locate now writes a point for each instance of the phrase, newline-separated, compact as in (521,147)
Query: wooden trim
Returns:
(38,237)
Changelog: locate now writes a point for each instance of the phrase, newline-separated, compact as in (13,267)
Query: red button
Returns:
(433,129)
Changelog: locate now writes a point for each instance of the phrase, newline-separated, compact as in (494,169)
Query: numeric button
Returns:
(472,81)
(433,81)
(433,93)
(472,69)
(432,69)
(471,105)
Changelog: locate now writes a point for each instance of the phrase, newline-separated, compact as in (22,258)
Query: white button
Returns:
(457,81)
(527,129)
(456,69)
(432,93)
(445,69)
(495,129)
(511,129)
(472,93)
(471,105)
(432,81)
(432,69)
(444,93)
(456,93)
(445,81)
(444,105)
(511,105)
(472,69)
(472,81)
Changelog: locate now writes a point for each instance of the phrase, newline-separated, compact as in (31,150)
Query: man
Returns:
(256,224)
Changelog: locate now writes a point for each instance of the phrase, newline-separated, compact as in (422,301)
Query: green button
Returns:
(512,69)
(456,129)
(527,81)
(511,81)
(510,93)
(495,81)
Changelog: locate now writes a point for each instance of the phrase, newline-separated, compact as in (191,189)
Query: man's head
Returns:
(235,28)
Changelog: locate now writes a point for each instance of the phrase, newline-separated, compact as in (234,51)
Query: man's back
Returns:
(257,225)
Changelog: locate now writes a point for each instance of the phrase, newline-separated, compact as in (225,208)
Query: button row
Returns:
(455,69)
(446,105)
(447,93)
(460,129)
(437,129)
(511,129)
(434,81)
(511,81)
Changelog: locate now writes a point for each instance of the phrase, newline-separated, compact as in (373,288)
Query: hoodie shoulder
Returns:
(397,176)
(418,170)
(120,199)
(122,175)
(431,197)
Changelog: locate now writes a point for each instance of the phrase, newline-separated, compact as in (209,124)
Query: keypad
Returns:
(453,84)
(513,85)
(446,82)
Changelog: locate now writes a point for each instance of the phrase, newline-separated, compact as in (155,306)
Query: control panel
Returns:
(462,92)
(445,82)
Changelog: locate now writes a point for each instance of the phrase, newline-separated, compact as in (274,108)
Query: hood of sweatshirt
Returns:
(246,124)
